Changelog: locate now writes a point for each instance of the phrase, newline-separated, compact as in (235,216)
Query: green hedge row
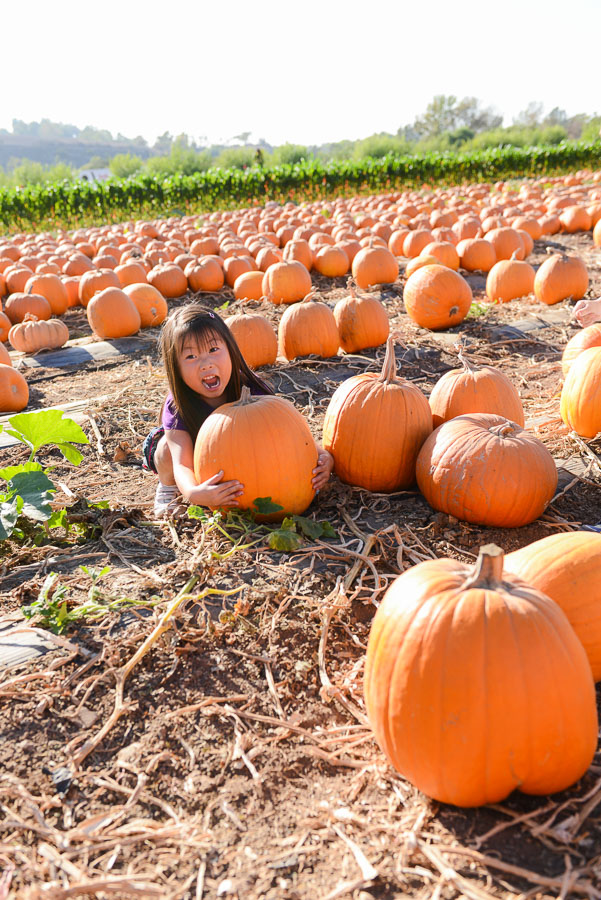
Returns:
(72,204)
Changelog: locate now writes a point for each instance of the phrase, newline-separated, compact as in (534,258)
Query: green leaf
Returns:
(285,540)
(10,507)
(328,530)
(197,512)
(309,527)
(35,489)
(46,426)
(58,519)
(264,506)
(70,453)
(10,471)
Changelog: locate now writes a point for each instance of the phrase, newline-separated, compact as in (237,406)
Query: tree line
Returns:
(447,124)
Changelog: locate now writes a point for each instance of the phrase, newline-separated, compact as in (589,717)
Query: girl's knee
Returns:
(164,462)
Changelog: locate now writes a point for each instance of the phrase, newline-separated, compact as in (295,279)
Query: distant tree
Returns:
(377,146)
(97,162)
(235,158)
(471,115)
(445,113)
(531,116)
(288,154)
(242,138)
(26,171)
(125,164)
(592,129)
(163,143)
(95,135)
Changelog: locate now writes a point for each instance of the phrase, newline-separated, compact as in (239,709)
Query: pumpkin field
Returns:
(221,703)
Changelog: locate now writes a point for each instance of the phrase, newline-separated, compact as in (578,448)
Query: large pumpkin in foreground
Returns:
(475,389)
(476,684)
(567,568)
(485,469)
(580,403)
(265,443)
(374,427)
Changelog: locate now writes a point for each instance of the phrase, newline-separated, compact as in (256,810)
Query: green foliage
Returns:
(55,610)
(125,164)
(592,130)
(28,489)
(288,154)
(235,158)
(310,179)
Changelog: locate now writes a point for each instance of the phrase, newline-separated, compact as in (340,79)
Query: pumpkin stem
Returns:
(309,297)
(388,373)
(506,428)
(246,397)
(488,569)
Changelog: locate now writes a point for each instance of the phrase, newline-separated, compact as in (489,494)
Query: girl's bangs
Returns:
(203,332)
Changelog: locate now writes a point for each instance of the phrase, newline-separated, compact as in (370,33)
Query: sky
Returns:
(308,72)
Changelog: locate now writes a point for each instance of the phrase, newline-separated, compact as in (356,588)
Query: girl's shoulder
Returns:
(170,417)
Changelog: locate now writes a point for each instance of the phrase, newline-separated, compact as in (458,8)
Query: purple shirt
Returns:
(172,421)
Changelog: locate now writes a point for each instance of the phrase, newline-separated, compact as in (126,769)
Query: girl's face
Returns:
(205,366)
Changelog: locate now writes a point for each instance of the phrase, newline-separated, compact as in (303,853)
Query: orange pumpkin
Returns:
(52,288)
(331,261)
(14,392)
(256,338)
(436,297)
(131,272)
(5,325)
(444,252)
(582,340)
(509,279)
(263,442)
(94,281)
(476,254)
(559,277)
(169,279)
(462,688)
(374,427)
(485,469)
(205,274)
(308,327)
(149,302)
(18,305)
(580,404)
(249,286)
(362,322)
(474,389)
(567,568)
(111,314)
(506,242)
(286,282)
(375,265)
(32,334)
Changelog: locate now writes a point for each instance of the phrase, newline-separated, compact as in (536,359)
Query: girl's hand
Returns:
(213,492)
(323,469)
(587,312)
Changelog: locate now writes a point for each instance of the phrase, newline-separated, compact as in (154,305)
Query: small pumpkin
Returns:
(265,443)
(169,279)
(374,427)
(484,469)
(5,325)
(362,321)
(475,389)
(205,274)
(375,265)
(462,688)
(256,338)
(18,305)
(331,261)
(52,288)
(436,297)
(580,403)
(308,327)
(14,392)
(567,568)
(94,281)
(559,277)
(249,286)
(32,334)
(476,254)
(506,242)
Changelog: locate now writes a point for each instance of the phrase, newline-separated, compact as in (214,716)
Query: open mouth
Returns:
(212,382)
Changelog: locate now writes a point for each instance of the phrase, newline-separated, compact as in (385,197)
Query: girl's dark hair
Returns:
(203,324)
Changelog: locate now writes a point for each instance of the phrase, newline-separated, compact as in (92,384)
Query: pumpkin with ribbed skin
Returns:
(580,404)
(462,687)
(471,389)
(567,568)
(149,302)
(582,340)
(374,427)
(509,279)
(111,314)
(559,277)
(169,279)
(436,297)
(18,305)
(286,282)
(308,327)
(32,334)
(375,265)
(362,321)
(14,392)
(256,338)
(265,443)
(476,254)
(484,469)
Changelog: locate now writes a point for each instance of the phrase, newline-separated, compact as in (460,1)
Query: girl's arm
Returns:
(212,492)
(323,469)
(587,312)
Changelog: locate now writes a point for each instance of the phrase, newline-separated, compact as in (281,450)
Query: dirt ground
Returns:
(233,757)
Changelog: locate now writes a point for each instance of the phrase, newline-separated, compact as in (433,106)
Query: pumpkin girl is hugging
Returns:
(205,369)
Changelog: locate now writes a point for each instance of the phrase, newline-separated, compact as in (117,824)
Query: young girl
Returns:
(205,369)
(587,312)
